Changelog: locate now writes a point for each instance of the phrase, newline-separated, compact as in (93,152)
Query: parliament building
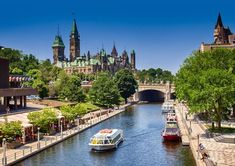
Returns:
(88,63)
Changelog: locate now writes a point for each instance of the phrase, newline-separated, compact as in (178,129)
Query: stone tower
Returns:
(74,42)
(221,33)
(114,52)
(58,49)
(133,59)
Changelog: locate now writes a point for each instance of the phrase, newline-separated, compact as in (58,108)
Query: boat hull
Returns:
(171,137)
(105,147)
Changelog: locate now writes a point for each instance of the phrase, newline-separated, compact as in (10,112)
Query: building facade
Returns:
(88,63)
(12,96)
(223,37)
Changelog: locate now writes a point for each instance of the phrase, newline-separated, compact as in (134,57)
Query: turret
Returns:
(58,49)
(133,60)
(221,33)
(125,59)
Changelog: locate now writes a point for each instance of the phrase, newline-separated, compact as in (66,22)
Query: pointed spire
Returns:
(58,30)
(219,21)
(58,42)
(74,28)
(114,52)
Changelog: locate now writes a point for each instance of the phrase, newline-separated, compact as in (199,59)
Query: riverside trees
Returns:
(104,91)
(43,119)
(126,83)
(154,75)
(206,81)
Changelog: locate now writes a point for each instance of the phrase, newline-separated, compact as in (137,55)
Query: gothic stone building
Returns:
(88,63)
(223,37)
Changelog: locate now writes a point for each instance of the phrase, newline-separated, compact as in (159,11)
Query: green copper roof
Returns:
(58,42)
(111,60)
(94,61)
(74,28)
(133,52)
(102,52)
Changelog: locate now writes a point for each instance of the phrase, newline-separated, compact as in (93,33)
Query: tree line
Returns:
(49,80)
(206,81)
(154,76)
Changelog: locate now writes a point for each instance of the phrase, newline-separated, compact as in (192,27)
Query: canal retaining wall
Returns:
(187,137)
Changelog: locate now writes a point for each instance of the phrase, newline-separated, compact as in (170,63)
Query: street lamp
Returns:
(90,119)
(190,120)
(4,152)
(7,110)
(100,115)
(38,137)
(198,142)
(61,129)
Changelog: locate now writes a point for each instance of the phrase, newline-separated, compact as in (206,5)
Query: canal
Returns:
(143,145)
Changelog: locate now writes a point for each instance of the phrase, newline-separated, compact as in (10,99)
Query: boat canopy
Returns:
(106,133)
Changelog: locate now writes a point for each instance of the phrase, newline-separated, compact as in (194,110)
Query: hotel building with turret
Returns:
(223,37)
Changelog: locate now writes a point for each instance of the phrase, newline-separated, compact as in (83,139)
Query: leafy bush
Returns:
(11,130)
(69,112)
(43,119)
(83,108)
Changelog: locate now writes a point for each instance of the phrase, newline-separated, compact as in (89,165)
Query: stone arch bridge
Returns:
(154,92)
(150,92)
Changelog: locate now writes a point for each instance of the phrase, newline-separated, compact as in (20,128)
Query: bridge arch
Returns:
(151,95)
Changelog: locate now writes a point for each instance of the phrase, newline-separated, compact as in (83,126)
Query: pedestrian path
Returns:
(222,154)
(15,155)
(183,130)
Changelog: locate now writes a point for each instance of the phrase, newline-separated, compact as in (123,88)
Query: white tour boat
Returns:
(168,106)
(106,139)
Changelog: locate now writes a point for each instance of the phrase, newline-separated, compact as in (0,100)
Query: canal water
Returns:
(143,144)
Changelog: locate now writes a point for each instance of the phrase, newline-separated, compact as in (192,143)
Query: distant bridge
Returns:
(154,92)
(150,92)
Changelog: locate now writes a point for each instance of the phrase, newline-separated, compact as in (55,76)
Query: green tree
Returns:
(16,70)
(19,60)
(37,83)
(71,90)
(154,75)
(83,108)
(126,83)
(104,91)
(43,119)
(29,62)
(151,74)
(207,82)
(69,112)
(11,130)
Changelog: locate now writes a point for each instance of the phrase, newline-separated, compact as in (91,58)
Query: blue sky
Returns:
(163,33)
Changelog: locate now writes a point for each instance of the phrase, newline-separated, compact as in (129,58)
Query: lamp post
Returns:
(4,159)
(198,142)
(90,119)
(38,137)
(61,129)
(190,128)
(7,110)
(100,115)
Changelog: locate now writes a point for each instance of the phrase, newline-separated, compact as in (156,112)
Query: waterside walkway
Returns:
(16,155)
(221,154)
